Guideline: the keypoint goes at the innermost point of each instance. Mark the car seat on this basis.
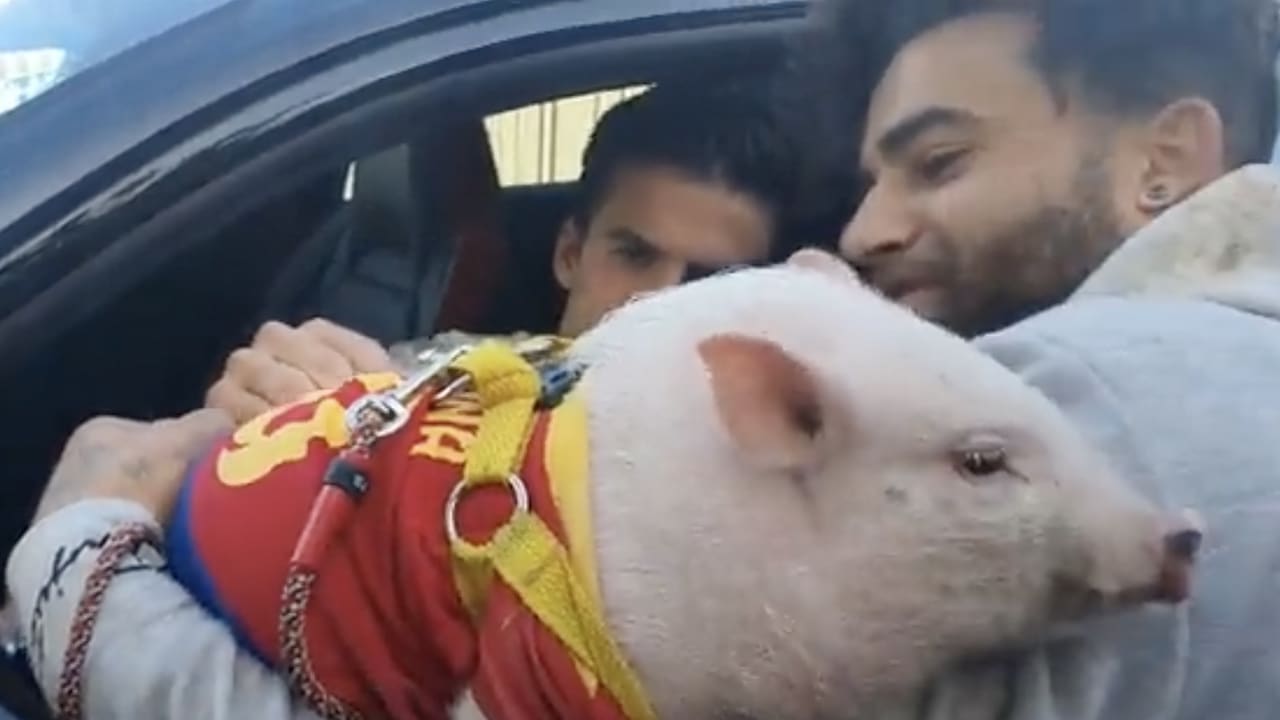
(418, 248)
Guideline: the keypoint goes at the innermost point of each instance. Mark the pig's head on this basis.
(820, 499)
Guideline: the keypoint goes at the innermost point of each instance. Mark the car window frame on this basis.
(151, 210)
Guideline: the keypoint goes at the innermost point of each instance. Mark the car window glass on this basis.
(43, 42)
(543, 143)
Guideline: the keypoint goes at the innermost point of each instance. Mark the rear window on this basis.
(543, 143)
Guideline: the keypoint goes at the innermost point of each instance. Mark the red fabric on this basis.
(481, 256)
(386, 630)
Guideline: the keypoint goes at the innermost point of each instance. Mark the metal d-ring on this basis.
(519, 492)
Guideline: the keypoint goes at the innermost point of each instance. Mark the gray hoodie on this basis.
(1168, 357)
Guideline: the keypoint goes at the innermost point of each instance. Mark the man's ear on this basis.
(568, 252)
(1186, 151)
(769, 402)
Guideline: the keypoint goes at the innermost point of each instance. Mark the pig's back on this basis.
(1185, 397)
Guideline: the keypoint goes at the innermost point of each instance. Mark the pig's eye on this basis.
(981, 462)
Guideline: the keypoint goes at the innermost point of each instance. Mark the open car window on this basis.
(542, 144)
(538, 144)
(43, 42)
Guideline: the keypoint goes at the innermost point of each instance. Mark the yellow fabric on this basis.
(525, 552)
(508, 388)
(567, 467)
(567, 461)
(472, 576)
(255, 453)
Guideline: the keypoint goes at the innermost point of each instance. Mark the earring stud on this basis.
(1157, 196)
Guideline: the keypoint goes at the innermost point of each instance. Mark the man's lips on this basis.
(897, 277)
(899, 287)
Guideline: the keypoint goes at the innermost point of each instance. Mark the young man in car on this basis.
(679, 181)
(1065, 181)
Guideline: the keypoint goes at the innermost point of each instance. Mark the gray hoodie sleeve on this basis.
(1184, 397)
(1119, 668)
(154, 652)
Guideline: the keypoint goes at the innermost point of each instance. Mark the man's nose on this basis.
(882, 226)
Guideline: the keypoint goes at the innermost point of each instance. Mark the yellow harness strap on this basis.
(525, 552)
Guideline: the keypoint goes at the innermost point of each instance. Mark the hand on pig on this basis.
(285, 363)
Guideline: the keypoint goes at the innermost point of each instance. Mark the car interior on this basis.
(414, 237)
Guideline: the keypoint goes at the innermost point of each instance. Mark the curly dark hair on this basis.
(1124, 56)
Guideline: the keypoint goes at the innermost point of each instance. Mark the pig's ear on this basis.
(824, 262)
(768, 401)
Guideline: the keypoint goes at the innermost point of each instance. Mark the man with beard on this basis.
(1069, 182)
(992, 145)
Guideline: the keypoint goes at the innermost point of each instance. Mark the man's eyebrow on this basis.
(627, 235)
(894, 141)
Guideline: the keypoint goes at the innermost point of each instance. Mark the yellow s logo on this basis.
(254, 452)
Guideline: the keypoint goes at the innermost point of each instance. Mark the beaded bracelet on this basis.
(121, 542)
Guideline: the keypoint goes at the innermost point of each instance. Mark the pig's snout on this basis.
(1181, 544)
(1160, 572)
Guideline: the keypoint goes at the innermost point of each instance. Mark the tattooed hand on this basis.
(129, 460)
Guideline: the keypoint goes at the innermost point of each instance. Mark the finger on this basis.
(189, 435)
(105, 431)
(306, 351)
(364, 354)
(258, 373)
(237, 402)
(96, 449)
(155, 474)
(150, 469)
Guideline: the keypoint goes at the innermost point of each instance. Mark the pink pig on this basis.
(808, 500)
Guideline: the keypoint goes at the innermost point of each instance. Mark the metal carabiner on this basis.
(379, 415)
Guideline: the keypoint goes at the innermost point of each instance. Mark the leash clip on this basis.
(379, 415)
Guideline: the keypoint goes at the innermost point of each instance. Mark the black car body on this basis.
(169, 194)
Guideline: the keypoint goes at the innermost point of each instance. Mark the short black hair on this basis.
(717, 130)
(1122, 56)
